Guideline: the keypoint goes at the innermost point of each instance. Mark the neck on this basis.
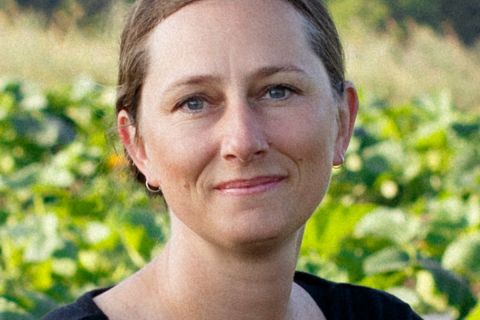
(253, 283)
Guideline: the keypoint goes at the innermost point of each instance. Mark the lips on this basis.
(248, 186)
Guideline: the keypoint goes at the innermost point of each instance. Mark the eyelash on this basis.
(182, 104)
(200, 97)
(291, 90)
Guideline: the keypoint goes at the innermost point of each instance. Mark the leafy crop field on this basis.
(403, 214)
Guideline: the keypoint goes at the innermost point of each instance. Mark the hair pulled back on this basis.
(145, 15)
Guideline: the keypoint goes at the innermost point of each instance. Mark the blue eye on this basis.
(194, 104)
(278, 92)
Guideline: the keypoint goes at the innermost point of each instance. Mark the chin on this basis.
(262, 233)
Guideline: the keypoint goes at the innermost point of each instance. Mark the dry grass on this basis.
(52, 57)
(378, 63)
(425, 63)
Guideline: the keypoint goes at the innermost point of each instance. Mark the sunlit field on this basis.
(381, 64)
(52, 57)
(401, 215)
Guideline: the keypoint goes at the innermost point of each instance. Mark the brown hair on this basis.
(145, 15)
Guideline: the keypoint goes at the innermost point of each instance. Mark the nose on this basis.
(243, 139)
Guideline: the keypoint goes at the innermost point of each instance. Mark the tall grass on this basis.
(52, 56)
(381, 64)
(401, 69)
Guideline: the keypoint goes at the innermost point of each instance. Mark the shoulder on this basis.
(84, 308)
(347, 301)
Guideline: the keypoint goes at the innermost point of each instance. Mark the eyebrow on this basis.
(260, 73)
(271, 70)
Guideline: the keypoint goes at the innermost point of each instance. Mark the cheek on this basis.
(308, 137)
(316, 165)
(309, 142)
(177, 160)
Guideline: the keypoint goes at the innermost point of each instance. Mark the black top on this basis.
(342, 301)
(338, 301)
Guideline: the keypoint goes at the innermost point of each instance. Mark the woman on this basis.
(236, 110)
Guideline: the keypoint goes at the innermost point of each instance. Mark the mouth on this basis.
(250, 186)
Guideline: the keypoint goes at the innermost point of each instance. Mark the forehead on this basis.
(231, 13)
(212, 33)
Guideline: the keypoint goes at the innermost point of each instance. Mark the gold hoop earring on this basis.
(152, 189)
(339, 166)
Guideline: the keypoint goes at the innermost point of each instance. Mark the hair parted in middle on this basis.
(145, 15)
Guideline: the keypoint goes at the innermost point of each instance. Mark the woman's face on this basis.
(238, 123)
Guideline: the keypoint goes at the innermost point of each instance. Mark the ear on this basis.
(346, 120)
(132, 141)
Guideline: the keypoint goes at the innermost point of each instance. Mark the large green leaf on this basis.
(328, 227)
(386, 260)
(408, 295)
(37, 235)
(389, 224)
(463, 256)
(436, 281)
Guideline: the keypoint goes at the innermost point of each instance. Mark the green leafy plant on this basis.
(402, 215)
(406, 207)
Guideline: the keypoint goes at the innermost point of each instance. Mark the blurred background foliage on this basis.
(402, 215)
